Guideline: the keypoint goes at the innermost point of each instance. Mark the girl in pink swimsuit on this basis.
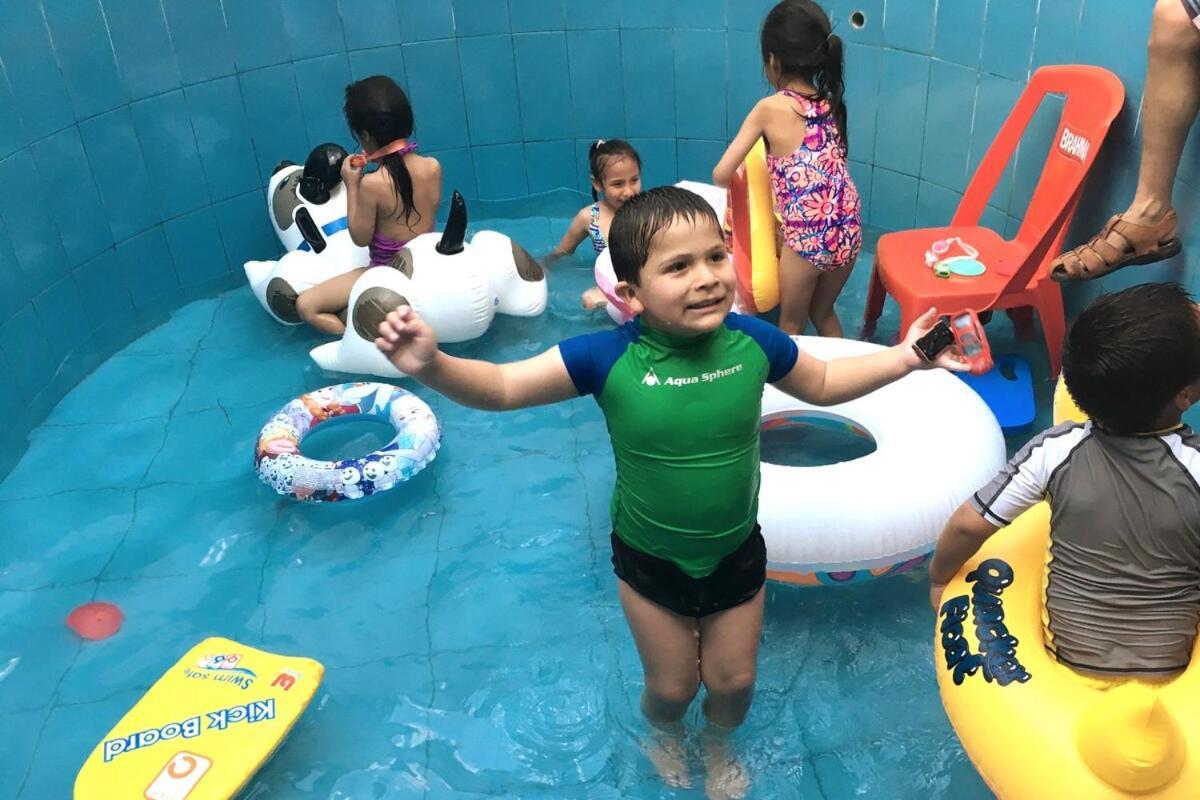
(385, 208)
(804, 128)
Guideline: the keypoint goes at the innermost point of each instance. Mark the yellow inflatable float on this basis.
(1033, 727)
(204, 728)
(754, 224)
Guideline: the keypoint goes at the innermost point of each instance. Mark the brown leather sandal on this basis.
(1136, 244)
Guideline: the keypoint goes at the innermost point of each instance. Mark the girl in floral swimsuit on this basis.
(804, 127)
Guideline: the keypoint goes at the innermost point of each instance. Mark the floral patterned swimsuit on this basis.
(814, 194)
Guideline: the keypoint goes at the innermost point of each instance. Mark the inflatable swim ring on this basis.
(204, 728)
(754, 225)
(879, 514)
(307, 208)
(606, 277)
(280, 464)
(1033, 727)
(457, 287)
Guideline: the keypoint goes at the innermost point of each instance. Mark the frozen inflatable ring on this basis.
(280, 464)
(936, 442)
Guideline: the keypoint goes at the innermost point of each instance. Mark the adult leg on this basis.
(822, 311)
(321, 305)
(728, 667)
(670, 652)
(1147, 231)
(1169, 107)
(797, 282)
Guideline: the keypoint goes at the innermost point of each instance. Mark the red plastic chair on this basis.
(1017, 273)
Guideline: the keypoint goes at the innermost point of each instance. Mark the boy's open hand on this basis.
(407, 340)
(947, 359)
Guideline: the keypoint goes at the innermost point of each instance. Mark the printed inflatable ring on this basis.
(280, 464)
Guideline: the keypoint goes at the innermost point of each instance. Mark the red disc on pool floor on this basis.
(95, 620)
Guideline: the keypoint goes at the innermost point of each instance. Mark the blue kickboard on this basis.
(1007, 388)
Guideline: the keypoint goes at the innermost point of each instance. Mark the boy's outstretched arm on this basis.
(826, 383)
(410, 344)
(962, 537)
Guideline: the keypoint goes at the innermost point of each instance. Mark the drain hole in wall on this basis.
(858, 20)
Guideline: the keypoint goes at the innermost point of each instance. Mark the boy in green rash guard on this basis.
(680, 386)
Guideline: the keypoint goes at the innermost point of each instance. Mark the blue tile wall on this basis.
(105, 297)
(959, 33)
(490, 89)
(164, 129)
(120, 173)
(898, 142)
(379, 61)
(196, 248)
(86, 59)
(276, 121)
(480, 17)
(314, 27)
(140, 133)
(500, 171)
(909, 25)
(1008, 38)
(322, 84)
(34, 236)
(74, 202)
(203, 48)
(600, 111)
(138, 31)
(63, 319)
(422, 20)
(37, 85)
(256, 30)
(544, 85)
(699, 78)
(12, 132)
(435, 88)
(649, 102)
(223, 137)
(526, 16)
(951, 109)
(550, 165)
(370, 23)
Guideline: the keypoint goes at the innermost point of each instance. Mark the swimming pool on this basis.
(468, 620)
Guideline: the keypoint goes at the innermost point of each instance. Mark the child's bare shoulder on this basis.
(424, 166)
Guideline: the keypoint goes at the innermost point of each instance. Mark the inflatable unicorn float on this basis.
(457, 286)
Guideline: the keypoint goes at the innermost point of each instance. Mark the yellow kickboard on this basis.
(204, 728)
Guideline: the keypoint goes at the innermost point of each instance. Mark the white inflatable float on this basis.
(606, 277)
(458, 288)
(936, 443)
(307, 208)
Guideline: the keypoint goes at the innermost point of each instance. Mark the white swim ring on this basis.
(936, 443)
(280, 464)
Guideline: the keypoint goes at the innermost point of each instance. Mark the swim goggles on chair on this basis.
(965, 263)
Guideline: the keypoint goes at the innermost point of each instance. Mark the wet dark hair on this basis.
(602, 152)
(379, 107)
(1129, 353)
(798, 33)
(636, 223)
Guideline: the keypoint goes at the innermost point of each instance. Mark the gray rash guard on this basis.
(1123, 588)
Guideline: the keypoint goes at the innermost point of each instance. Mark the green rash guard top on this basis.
(683, 414)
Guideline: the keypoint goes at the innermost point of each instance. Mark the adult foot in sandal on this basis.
(1121, 243)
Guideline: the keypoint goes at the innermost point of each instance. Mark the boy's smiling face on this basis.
(687, 284)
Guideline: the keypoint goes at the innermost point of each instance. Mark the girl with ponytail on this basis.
(385, 208)
(804, 128)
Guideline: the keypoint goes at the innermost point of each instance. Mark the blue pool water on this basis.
(468, 620)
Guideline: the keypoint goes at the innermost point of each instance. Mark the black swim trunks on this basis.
(737, 578)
